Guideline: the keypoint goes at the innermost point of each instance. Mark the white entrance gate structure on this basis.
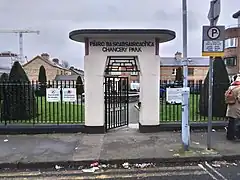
(103, 43)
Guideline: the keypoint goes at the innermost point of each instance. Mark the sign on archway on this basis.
(131, 46)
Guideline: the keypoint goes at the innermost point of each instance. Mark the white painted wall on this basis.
(149, 89)
(94, 66)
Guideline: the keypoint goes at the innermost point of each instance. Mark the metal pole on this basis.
(185, 94)
(210, 89)
(21, 47)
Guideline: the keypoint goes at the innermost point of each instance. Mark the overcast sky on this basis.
(56, 18)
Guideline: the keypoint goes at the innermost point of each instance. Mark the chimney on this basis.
(178, 55)
(56, 60)
(45, 56)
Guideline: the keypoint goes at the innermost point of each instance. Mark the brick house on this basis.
(78, 72)
(197, 71)
(132, 76)
(53, 67)
(71, 79)
(197, 68)
(232, 47)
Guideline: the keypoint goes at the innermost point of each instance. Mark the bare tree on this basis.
(65, 64)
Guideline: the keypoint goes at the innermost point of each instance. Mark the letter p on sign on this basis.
(213, 33)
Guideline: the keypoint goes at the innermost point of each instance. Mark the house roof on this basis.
(77, 71)
(194, 61)
(66, 77)
(51, 63)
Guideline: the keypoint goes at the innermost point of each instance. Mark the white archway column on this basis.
(149, 93)
(94, 94)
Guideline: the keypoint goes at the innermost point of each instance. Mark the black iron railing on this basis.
(198, 104)
(26, 103)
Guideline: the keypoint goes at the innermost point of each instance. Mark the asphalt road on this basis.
(203, 171)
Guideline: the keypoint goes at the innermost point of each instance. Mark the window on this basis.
(174, 71)
(134, 73)
(190, 71)
(135, 81)
(230, 61)
(232, 42)
(116, 73)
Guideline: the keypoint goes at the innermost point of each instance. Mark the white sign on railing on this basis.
(174, 95)
(69, 94)
(53, 95)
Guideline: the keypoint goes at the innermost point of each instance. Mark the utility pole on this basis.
(21, 46)
(213, 16)
(185, 92)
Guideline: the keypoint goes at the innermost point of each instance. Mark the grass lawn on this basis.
(173, 113)
(54, 113)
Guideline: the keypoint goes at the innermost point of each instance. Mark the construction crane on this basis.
(20, 33)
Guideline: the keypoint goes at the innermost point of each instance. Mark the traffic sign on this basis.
(213, 42)
(214, 11)
(213, 33)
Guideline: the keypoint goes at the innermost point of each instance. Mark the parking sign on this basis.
(213, 42)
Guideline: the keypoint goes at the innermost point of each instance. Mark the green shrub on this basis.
(42, 80)
(3, 81)
(220, 85)
(79, 86)
(19, 102)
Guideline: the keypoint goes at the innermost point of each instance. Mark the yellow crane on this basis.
(20, 34)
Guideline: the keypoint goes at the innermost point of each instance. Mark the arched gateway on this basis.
(120, 50)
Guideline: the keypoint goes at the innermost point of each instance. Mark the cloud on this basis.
(56, 18)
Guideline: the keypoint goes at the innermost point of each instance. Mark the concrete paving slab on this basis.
(89, 147)
(133, 145)
(37, 148)
(122, 144)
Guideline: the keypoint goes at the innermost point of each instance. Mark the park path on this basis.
(133, 114)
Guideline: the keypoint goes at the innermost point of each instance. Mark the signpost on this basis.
(212, 46)
(185, 92)
(174, 95)
(214, 12)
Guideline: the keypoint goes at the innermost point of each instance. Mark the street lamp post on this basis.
(185, 92)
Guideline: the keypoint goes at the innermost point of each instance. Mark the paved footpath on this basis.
(125, 144)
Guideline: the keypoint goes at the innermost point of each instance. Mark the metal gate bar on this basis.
(116, 102)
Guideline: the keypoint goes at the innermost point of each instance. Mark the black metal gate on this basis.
(116, 102)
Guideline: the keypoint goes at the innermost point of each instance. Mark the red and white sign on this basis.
(69, 94)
